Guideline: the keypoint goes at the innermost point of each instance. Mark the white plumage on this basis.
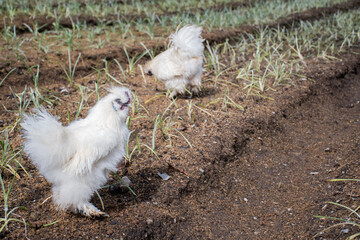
(76, 159)
(180, 67)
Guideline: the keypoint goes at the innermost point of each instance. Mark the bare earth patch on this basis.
(260, 173)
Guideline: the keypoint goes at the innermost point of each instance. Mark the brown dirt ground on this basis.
(93, 58)
(47, 21)
(258, 174)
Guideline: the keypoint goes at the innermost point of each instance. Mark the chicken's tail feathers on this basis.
(40, 122)
(188, 39)
(43, 134)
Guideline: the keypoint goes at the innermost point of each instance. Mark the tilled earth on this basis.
(280, 181)
(264, 176)
(261, 173)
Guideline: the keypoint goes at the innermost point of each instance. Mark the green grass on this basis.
(252, 64)
(7, 75)
(276, 56)
(10, 156)
(10, 215)
(258, 12)
(352, 219)
(168, 127)
(69, 70)
(98, 9)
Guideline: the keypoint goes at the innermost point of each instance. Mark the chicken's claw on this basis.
(91, 211)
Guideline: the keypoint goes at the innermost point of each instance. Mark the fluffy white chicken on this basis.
(180, 67)
(76, 159)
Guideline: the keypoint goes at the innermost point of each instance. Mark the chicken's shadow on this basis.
(144, 184)
(205, 92)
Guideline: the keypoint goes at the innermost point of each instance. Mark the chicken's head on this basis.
(121, 99)
(147, 69)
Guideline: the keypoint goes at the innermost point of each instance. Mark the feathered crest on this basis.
(188, 39)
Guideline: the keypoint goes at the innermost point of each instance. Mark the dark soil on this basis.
(279, 180)
(292, 19)
(258, 174)
(262, 175)
(47, 21)
(91, 58)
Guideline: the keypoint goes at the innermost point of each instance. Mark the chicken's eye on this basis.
(117, 100)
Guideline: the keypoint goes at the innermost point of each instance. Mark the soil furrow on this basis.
(257, 175)
(291, 20)
(275, 180)
(260, 173)
(48, 22)
(221, 35)
(93, 58)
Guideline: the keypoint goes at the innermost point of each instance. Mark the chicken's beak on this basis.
(122, 105)
(127, 103)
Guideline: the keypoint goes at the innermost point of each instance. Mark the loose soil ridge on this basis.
(47, 22)
(260, 173)
(271, 180)
(312, 14)
(91, 59)
(255, 175)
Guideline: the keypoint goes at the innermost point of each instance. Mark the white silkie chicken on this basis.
(180, 67)
(76, 159)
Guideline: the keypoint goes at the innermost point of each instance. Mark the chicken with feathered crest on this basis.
(180, 66)
(77, 159)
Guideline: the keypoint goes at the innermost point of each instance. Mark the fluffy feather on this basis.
(76, 159)
(180, 67)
